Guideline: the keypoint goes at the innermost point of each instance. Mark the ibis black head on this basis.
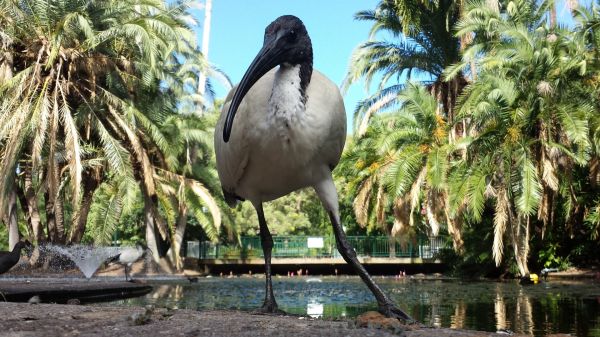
(23, 244)
(286, 41)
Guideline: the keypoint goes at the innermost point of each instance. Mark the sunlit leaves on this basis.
(530, 189)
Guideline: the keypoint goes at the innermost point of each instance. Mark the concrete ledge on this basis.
(21, 290)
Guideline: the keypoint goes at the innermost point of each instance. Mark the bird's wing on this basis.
(114, 258)
(233, 156)
(324, 98)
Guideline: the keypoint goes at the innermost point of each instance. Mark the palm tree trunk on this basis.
(11, 219)
(51, 194)
(50, 217)
(525, 246)
(149, 224)
(91, 182)
(454, 225)
(6, 66)
(23, 202)
(33, 212)
(594, 167)
(154, 241)
(553, 16)
(520, 243)
(174, 251)
(59, 217)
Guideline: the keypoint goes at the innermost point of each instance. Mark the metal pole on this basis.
(205, 41)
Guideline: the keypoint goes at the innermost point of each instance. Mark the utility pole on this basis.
(205, 40)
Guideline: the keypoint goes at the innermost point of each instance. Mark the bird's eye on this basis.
(291, 35)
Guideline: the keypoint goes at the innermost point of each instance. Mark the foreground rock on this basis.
(22, 319)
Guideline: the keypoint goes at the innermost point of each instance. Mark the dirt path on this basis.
(48, 320)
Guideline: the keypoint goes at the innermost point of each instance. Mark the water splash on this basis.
(87, 258)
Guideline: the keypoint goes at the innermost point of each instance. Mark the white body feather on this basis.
(129, 255)
(278, 143)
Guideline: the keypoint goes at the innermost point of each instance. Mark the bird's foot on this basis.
(269, 308)
(390, 310)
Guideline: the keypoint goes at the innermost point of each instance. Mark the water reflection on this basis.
(457, 321)
(524, 314)
(541, 309)
(500, 310)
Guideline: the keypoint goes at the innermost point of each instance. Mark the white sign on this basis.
(315, 242)
(314, 310)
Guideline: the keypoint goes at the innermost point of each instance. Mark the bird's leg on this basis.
(269, 306)
(328, 195)
(126, 275)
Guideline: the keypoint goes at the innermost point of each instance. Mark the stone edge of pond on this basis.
(23, 319)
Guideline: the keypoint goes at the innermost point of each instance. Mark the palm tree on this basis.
(85, 103)
(408, 171)
(426, 46)
(364, 171)
(588, 31)
(190, 183)
(530, 124)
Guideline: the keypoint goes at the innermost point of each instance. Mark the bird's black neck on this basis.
(306, 67)
(17, 249)
(306, 70)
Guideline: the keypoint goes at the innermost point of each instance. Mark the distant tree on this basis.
(528, 120)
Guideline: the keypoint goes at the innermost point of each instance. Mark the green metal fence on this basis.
(317, 247)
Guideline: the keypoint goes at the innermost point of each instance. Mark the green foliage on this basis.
(114, 201)
(592, 222)
(549, 257)
(510, 158)
(299, 213)
(95, 103)
(477, 260)
(3, 239)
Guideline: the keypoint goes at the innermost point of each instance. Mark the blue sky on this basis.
(238, 28)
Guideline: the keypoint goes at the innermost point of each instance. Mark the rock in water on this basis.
(34, 300)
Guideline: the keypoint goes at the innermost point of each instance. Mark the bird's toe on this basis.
(390, 310)
(269, 308)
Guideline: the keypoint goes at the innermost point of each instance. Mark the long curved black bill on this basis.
(266, 59)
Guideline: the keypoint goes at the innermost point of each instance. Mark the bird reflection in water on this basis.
(170, 293)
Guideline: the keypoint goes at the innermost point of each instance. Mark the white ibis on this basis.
(282, 130)
(128, 256)
(10, 259)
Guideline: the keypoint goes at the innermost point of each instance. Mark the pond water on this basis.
(548, 307)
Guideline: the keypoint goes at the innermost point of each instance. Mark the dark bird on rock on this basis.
(10, 259)
(282, 130)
